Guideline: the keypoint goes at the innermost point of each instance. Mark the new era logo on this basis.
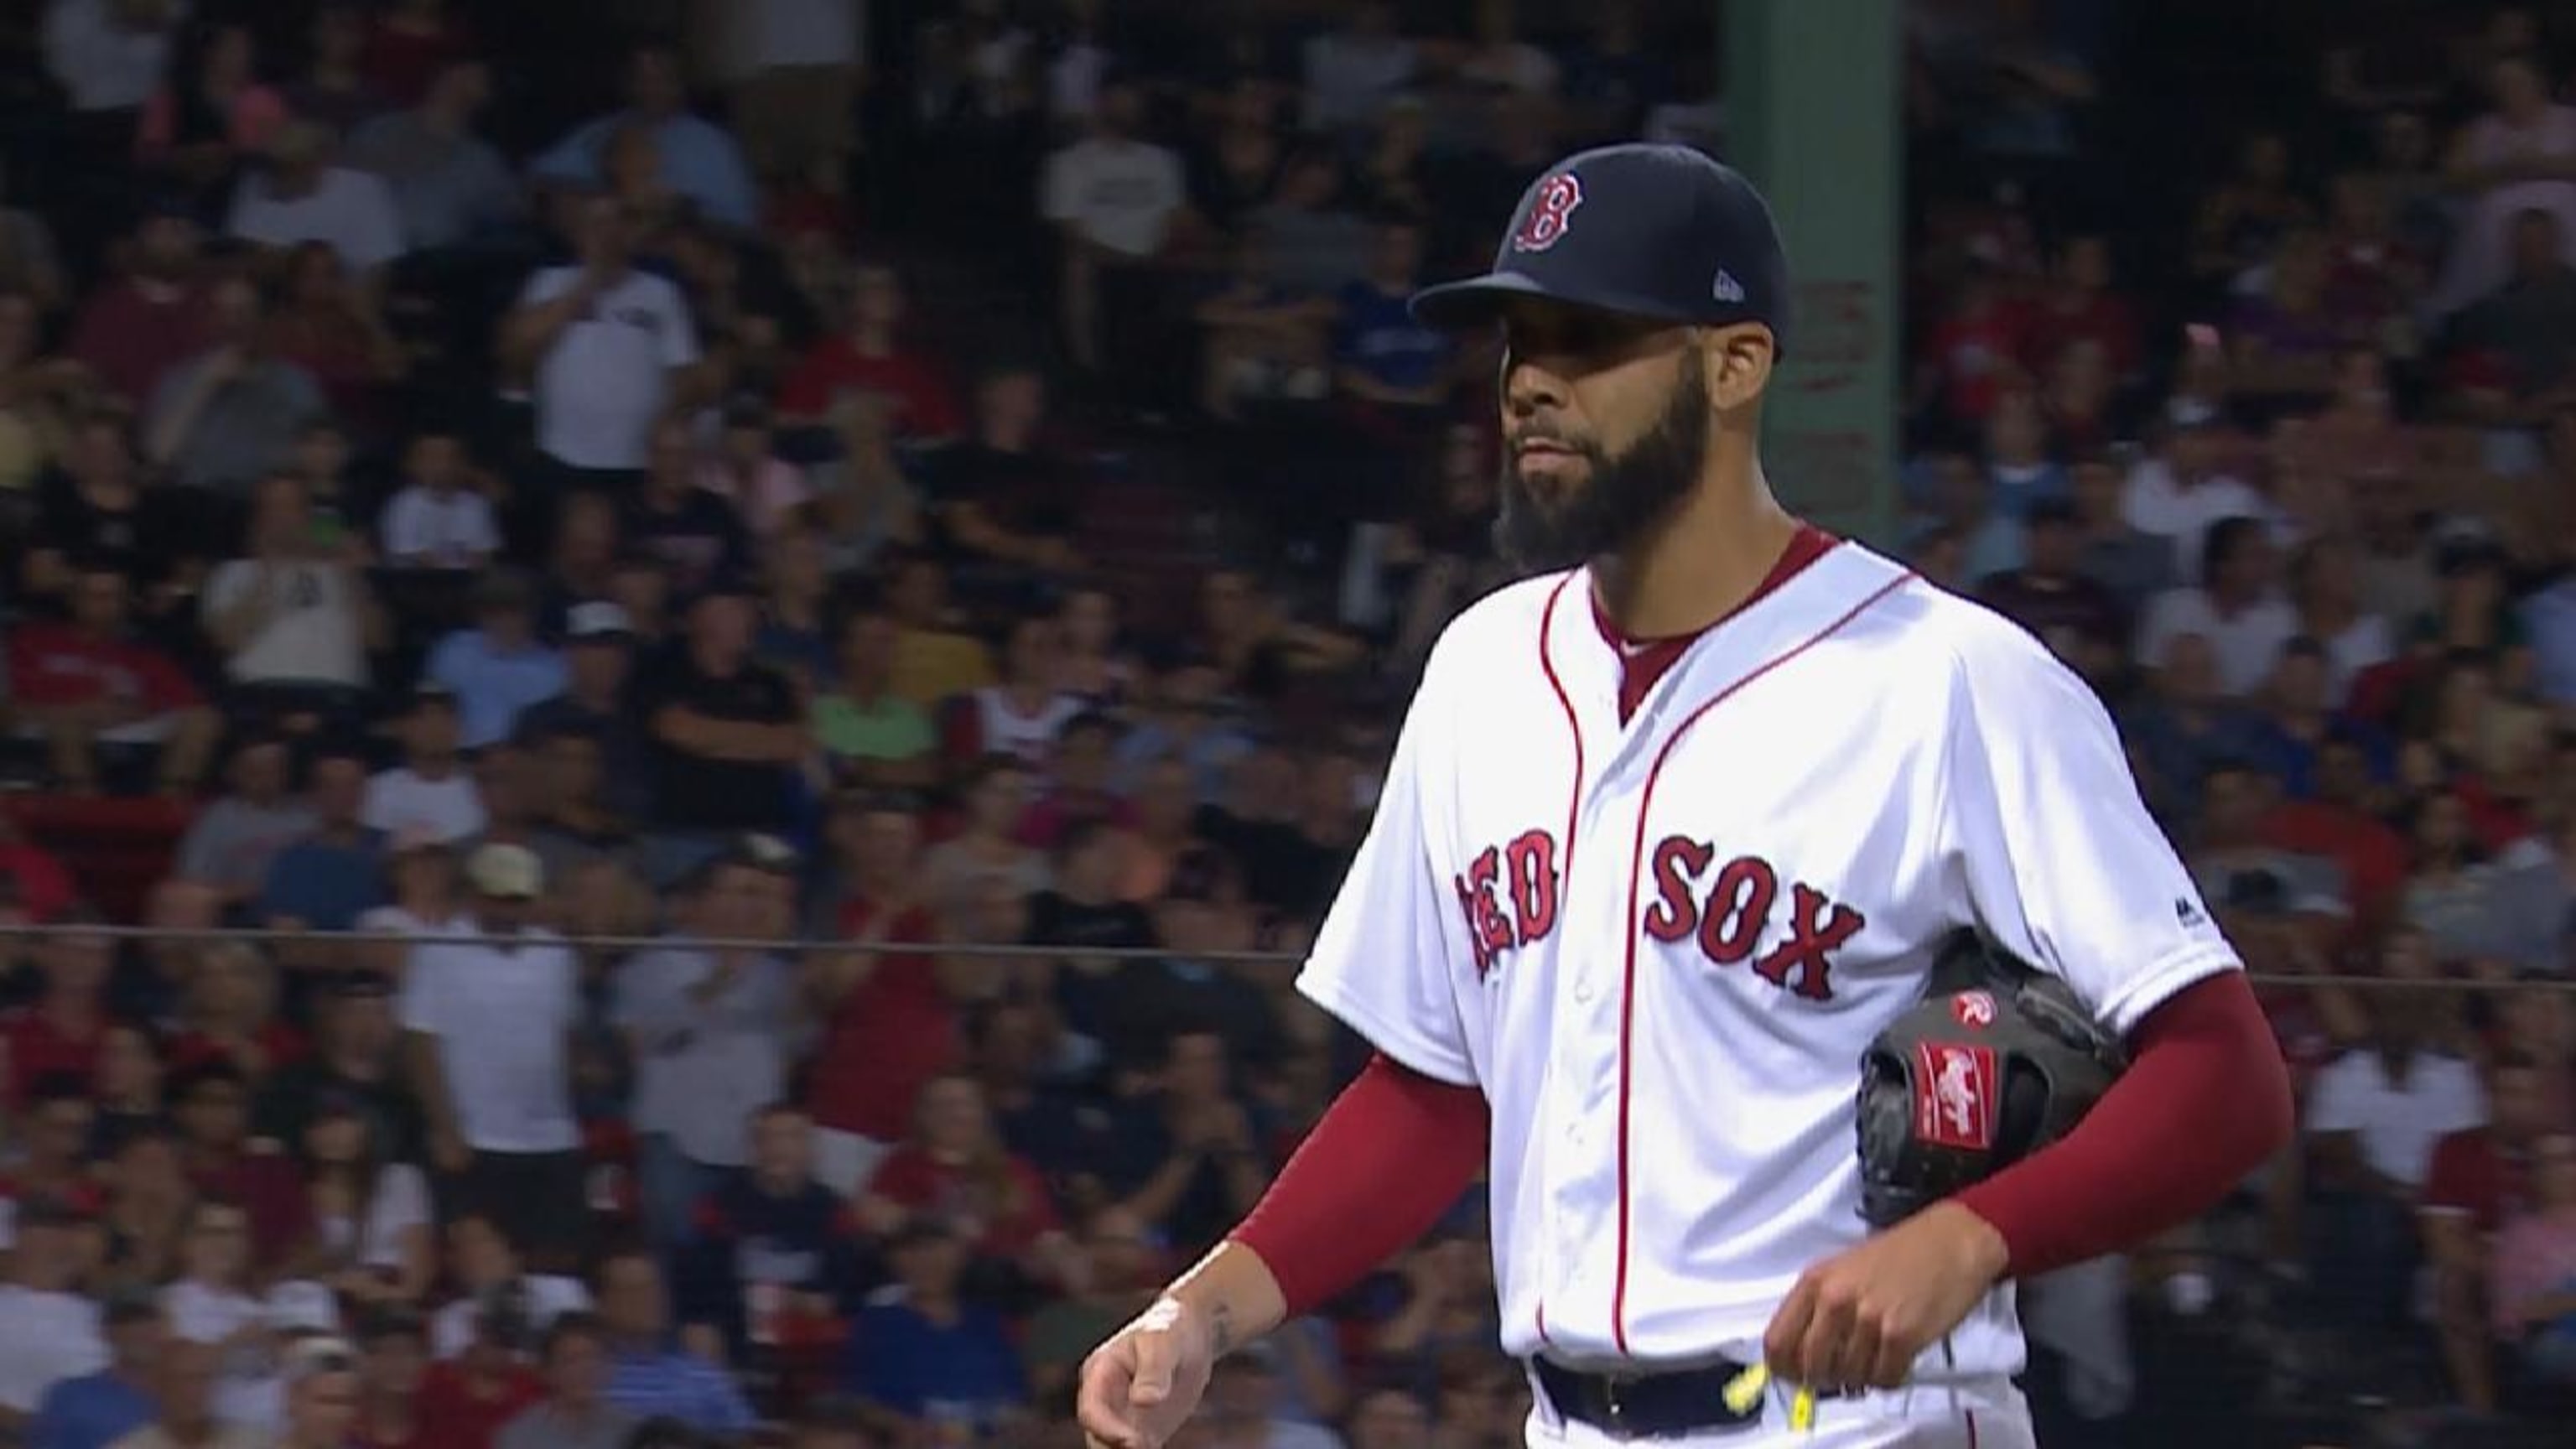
(2185, 912)
(1728, 289)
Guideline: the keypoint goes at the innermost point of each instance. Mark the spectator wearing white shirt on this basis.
(293, 621)
(301, 196)
(2180, 490)
(611, 350)
(430, 795)
(2238, 610)
(438, 519)
(485, 1267)
(2373, 1119)
(489, 1027)
(1114, 198)
(49, 1331)
(215, 1302)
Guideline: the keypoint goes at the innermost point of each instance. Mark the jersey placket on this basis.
(1592, 1085)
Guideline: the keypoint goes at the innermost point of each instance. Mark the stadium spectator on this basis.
(468, 1395)
(303, 196)
(489, 1020)
(447, 183)
(187, 1382)
(772, 1245)
(64, 1028)
(609, 349)
(499, 668)
(430, 794)
(210, 113)
(221, 419)
(653, 1371)
(2535, 1260)
(95, 1410)
(294, 617)
(371, 1214)
(706, 1027)
(218, 1301)
(697, 536)
(327, 877)
(869, 735)
(699, 160)
(1381, 356)
(574, 1414)
(497, 1300)
(2475, 1176)
(1118, 202)
(89, 687)
(56, 1120)
(888, 1015)
(871, 354)
(234, 841)
(351, 1069)
(937, 1362)
(49, 1330)
(393, 1363)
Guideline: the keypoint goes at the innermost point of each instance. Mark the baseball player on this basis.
(1675, 830)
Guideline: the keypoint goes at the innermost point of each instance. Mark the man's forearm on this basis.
(1234, 1293)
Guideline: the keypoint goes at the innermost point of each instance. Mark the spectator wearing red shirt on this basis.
(65, 1028)
(1978, 351)
(151, 319)
(465, 1401)
(889, 1020)
(956, 1174)
(87, 683)
(211, 1104)
(232, 1015)
(2080, 305)
(31, 881)
(869, 355)
(2478, 1179)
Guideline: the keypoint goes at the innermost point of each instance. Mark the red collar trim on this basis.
(1807, 545)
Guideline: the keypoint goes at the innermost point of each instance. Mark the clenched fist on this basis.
(1142, 1385)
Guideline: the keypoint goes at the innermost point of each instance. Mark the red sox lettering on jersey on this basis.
(1724, 920)
(1658, 944)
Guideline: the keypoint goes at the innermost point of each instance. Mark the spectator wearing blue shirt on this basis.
(1380, 354)
(95, 1410)
(922, 1352)
(700, 160)
(650, 1375)
(499, 668)
(326, 880)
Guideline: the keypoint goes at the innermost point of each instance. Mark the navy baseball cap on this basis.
(1651, 231)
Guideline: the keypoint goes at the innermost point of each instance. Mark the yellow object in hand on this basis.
(1745, 1389)
(1802, 1411)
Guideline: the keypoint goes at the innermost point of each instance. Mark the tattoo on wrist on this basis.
(1221, 1328)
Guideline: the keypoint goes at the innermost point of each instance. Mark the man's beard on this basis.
(1617, 500)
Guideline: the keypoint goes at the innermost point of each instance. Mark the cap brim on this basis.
(1472, 302)
(1475, 301)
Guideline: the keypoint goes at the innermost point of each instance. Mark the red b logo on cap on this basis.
(1549, 211)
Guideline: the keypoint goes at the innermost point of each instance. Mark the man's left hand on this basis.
(1860, 1319)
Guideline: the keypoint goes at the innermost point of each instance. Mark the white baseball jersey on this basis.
(1659, 947)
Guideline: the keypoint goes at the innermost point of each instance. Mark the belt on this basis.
(1646, 1405)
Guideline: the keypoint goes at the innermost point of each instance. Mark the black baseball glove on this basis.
(1997, 1062)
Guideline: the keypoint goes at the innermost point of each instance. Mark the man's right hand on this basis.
(1143, 1384)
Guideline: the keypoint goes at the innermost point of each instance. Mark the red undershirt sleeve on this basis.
(1393, 1152)
(2206, 1100)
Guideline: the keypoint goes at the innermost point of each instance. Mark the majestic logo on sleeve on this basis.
(1549, 214)
(1728, 916)
(1508, 896)
(1954, 1095)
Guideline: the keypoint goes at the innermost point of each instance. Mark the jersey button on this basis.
(1583, 990)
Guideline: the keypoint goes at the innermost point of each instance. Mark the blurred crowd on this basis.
(768, 599)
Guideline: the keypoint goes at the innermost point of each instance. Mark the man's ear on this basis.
(1736, 363)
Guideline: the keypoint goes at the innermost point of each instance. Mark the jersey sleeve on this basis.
(1382, 961)
(2061, 864)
